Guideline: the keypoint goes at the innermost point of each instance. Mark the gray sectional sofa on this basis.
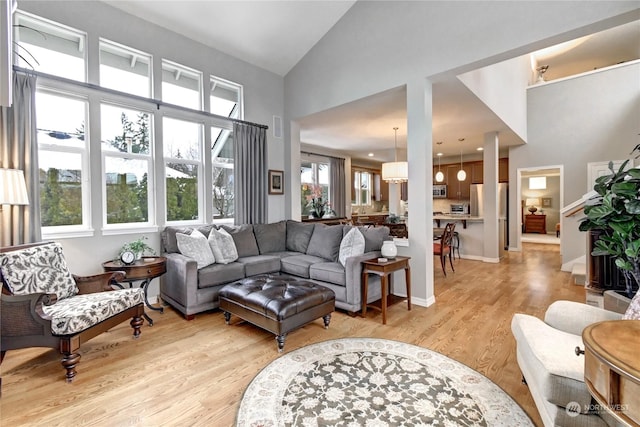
(304, 250)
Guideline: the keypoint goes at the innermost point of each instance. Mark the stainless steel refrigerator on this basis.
(476, 205)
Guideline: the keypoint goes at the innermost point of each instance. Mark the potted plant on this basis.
(138, 247)
(615, 212)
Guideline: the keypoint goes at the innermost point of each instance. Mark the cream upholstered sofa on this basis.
(552, 370)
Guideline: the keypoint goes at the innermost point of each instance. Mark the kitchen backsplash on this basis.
(444, 205)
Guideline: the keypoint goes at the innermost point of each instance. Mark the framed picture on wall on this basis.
(546, 202)
(276, 182)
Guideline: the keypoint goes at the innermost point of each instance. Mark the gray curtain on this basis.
(337, 188)
(250, 173)
(19, 150)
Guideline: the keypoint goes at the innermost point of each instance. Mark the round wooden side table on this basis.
(612, 367)
(145, 270)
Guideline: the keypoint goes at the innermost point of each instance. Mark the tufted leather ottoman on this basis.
(278, 304)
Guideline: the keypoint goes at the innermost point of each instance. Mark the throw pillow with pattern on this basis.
(223, 246)
(633, 311)
(39, 269)
(352, 245)
(196, 246)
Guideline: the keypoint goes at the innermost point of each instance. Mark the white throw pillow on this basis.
(633, 311)
(195, 246)
(222, 246)
(352, 244)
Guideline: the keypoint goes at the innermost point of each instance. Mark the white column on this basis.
(292, 175)
(420, 223)
(490, 194)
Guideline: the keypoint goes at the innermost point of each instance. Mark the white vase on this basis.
(389, 249)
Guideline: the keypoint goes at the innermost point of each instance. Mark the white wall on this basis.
(590, 118)
(380, 45)
(263, 98)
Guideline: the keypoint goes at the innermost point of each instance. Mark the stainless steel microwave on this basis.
(439, 191)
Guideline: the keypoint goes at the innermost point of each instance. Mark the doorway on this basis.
(540, 199)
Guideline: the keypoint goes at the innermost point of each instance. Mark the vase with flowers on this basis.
(315, 203)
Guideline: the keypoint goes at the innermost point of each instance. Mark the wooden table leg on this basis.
(384, 281)
(365, 289)
(407, 278)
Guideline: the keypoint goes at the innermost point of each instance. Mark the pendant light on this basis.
(439, 174)
(395, 172)
(462, 175)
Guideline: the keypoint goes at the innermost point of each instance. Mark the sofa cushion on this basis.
(325, 241)
(352, 245)
(169, 240)
(271, 237)
(298, 265)
(550, 353)
(332, 272)
(244, 238)
(196, 246)
(298, 236)
(73, 315)
(39, 269)
(218, 274)
(260, 264)
(223, 246)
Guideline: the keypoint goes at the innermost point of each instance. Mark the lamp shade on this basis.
(439, 176)
(395, 172)
(532, 201)
(13, 190)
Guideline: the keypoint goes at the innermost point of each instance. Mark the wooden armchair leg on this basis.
(69, 362)
(136, 323)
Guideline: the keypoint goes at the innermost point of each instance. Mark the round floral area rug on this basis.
(373, 382)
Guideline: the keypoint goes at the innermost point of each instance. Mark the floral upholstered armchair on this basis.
(44, 305)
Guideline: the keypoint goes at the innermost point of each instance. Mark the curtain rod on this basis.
(157, 102)
(321, 155)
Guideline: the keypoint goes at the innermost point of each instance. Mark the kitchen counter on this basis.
(453, 218)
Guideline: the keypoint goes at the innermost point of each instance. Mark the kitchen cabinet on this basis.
(477, 172)
(380, 188)
(458, 189)
(503, 169)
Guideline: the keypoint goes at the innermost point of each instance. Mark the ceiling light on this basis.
(439, 174)
(479, 149)
(395, 172)
(370, 154)
(461, 175)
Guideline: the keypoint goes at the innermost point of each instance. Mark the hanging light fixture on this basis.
(395, 172)
(439, 174)
(462, 175)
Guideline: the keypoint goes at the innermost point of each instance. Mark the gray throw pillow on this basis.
(271, 237)
(325, 241)
(373, 237)
(169, 241)
(298, 236)
(245, 240)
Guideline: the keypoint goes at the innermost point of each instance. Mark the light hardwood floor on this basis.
(182, 373)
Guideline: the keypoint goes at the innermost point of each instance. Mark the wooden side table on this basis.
(612, 367)
(384, 269)
(145, 269)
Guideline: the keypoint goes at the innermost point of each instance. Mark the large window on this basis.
(122, 148)
(49, 47)
(181, 85)
(62, 157)
(314, 177)
(126, 149)
(125, 69)
(183, 163)
(222, 173)
(362, 185)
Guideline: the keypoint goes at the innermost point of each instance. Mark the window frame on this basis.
(86, 228)
(151, 181)
(174, 67)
